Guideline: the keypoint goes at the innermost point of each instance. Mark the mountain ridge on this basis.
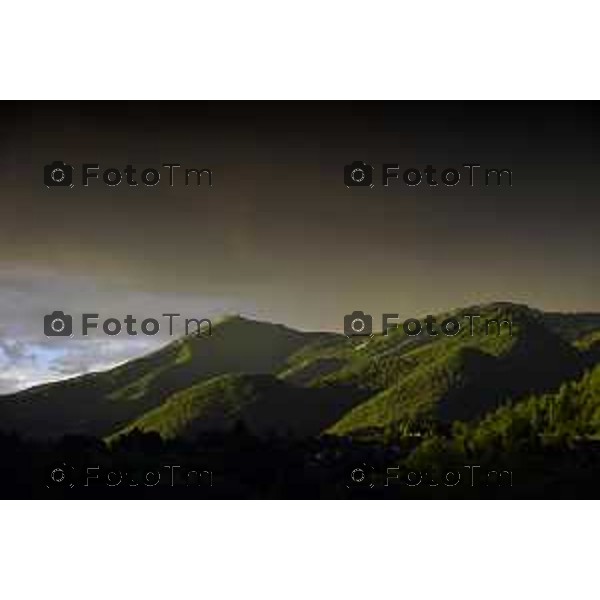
(325, 382)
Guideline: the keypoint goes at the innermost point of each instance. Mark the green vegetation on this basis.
(277, 381)
(281, 413)
(264, 404)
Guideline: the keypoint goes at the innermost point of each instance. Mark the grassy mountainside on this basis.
(571, 412)
(264, 404)
(460, 377)
(275, 379)
(99, 403)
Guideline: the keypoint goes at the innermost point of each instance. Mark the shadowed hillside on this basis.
(100, 403)
(276, 380)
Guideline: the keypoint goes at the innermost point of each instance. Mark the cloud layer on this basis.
(28, 357)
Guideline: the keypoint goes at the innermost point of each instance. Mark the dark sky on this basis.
(279, 236)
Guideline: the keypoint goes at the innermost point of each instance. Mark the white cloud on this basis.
(28, 357)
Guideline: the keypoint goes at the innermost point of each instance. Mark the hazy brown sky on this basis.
(279, 236)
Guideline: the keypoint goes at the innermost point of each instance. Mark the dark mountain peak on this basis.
(502, 308)
(242, 324)
(234, 318)
(238, 320)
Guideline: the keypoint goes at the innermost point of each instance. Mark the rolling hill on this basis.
(278, 380)
(100, 403)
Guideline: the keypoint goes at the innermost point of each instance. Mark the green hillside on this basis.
(460, 377)
(263, 403)
(568, 414)
(278, 380)
(100, 403)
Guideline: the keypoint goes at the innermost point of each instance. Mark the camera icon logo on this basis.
(358, 324)
(359, 174)
(362, 477)
(58, 174)
(62, 475)
(57, 324)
